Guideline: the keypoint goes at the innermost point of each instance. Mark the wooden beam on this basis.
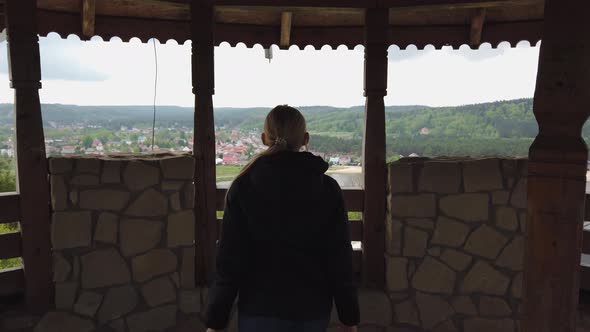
(357, 262)
(374, 168)
(286, 21)
(203, 81)
(12, 281)
(167, 10)
(586, 242)
(300, 3)
(354, 199)
(557, 170)
(88, 17)
(585, 278)
(154, 9)
(356, 230)
(9, 208)
(10, 245)
(477, 22)
(33, 186)
(423, 5)
(402, 36)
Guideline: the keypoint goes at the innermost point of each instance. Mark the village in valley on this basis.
(233, 147)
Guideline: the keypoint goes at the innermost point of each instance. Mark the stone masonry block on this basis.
(440, 177)
(418, 206)
(400, 177)
(466, 207)
(71, 230)
(482, 175)
(179, 168)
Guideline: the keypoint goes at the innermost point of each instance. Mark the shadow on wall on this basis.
(455, 243)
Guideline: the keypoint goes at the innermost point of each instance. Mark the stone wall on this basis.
(123, 244)
(123, 238)
(455, 241)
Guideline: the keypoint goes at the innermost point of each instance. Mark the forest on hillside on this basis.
(496, 128)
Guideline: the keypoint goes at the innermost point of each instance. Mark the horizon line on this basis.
(298, 106)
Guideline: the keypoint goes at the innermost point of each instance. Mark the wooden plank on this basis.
(356, 230)
(585, 278)
(402, 36)
(202, 28)
(25, 76)
(88, 17)
(220, 198)
(586, 242)
(357, 261)
(353, 199)
(12, 281)
(300, 3)
(10, 245)
(286, 20)
(587, 208)
(427, 5)
(150, 9)
(557, 166)
(306, 16)
(9, 207)
(477, 22)
(374, 167)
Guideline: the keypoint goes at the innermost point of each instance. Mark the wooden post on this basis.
(202, 23)
(88, 17)
(286, 21)
(33, 186)
(477, 22)
(557, 170)
(376, 23)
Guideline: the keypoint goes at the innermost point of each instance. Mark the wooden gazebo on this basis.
(557, 158)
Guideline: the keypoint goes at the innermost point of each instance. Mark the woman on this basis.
(285, 247)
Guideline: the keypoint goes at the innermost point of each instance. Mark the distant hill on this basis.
(502, 119)
(501, 127)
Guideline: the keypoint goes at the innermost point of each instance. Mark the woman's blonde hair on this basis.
(284, 130)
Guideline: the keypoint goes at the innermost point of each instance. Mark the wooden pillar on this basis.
(33, 186)
(375, 177)
(202, 24)
(557, 169)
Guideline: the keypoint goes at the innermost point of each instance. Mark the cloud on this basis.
(483, 53)
(396, 54)
(113, 72)
(61, 59)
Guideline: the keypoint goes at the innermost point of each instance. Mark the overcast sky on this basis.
(117, 73)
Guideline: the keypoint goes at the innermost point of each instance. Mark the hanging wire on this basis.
(155, 93)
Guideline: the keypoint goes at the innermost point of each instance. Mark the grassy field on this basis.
(12, 262)
(226, 172)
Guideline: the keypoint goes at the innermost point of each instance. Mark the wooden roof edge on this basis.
(421, 37)
(391, 4)
(160, 9)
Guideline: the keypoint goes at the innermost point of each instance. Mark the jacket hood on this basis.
(285, 173)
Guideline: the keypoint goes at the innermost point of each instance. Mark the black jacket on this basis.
(285, 246)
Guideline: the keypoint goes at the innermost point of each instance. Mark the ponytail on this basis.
(284, 129)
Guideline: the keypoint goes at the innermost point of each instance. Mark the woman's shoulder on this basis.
(237, 186)
(331, 184)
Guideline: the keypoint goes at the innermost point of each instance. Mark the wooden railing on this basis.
(354, 201)
(585, 259)
(12, 280)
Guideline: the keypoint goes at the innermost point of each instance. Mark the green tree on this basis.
(87, 141)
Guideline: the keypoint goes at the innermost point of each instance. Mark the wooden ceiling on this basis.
(316, 23)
